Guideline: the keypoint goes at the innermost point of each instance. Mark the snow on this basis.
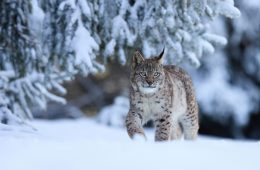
(65, 37)
(150, 26)
(110, 48)
(216, 39)
(84, 45)
(227, 9)
(215, 94)
(85, 144)
(36, 17)
(193, 59)
(120, 107)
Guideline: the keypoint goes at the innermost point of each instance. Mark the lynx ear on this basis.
(160, 57)
(137, 59)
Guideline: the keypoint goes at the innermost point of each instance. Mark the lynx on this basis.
(164, 94)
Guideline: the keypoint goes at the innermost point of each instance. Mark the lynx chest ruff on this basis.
(173, 100)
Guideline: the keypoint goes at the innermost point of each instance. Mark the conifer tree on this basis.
(45, 42)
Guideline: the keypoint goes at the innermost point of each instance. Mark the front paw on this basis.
(139, 137)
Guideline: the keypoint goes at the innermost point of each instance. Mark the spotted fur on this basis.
(164, 94)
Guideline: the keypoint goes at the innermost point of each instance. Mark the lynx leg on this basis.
(163, 128)
(134, 124)
(190, 125)
(176, 132)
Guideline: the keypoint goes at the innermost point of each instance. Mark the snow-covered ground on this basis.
(86, 145)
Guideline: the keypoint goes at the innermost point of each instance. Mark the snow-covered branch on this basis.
(44, 43)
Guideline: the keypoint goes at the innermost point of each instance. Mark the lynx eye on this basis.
(156, 74)
(143, 74)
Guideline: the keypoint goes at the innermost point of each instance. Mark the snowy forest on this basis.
(69, 60)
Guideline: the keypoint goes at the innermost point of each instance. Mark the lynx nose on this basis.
(150, 82)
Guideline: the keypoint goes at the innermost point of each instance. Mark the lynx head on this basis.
(147, 74)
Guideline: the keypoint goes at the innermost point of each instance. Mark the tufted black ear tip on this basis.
(160, 57)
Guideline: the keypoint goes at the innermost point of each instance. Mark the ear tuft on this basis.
(160, 57)
(137, 59)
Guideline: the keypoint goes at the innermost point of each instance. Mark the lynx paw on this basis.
(139, 137)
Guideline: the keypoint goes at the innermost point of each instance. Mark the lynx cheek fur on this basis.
(163, 94)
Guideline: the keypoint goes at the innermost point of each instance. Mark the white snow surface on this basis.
(84, 144)
(120, 107)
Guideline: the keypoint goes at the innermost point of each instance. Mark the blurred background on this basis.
(43, 48)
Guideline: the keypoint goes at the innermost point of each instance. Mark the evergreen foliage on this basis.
(45, 42)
